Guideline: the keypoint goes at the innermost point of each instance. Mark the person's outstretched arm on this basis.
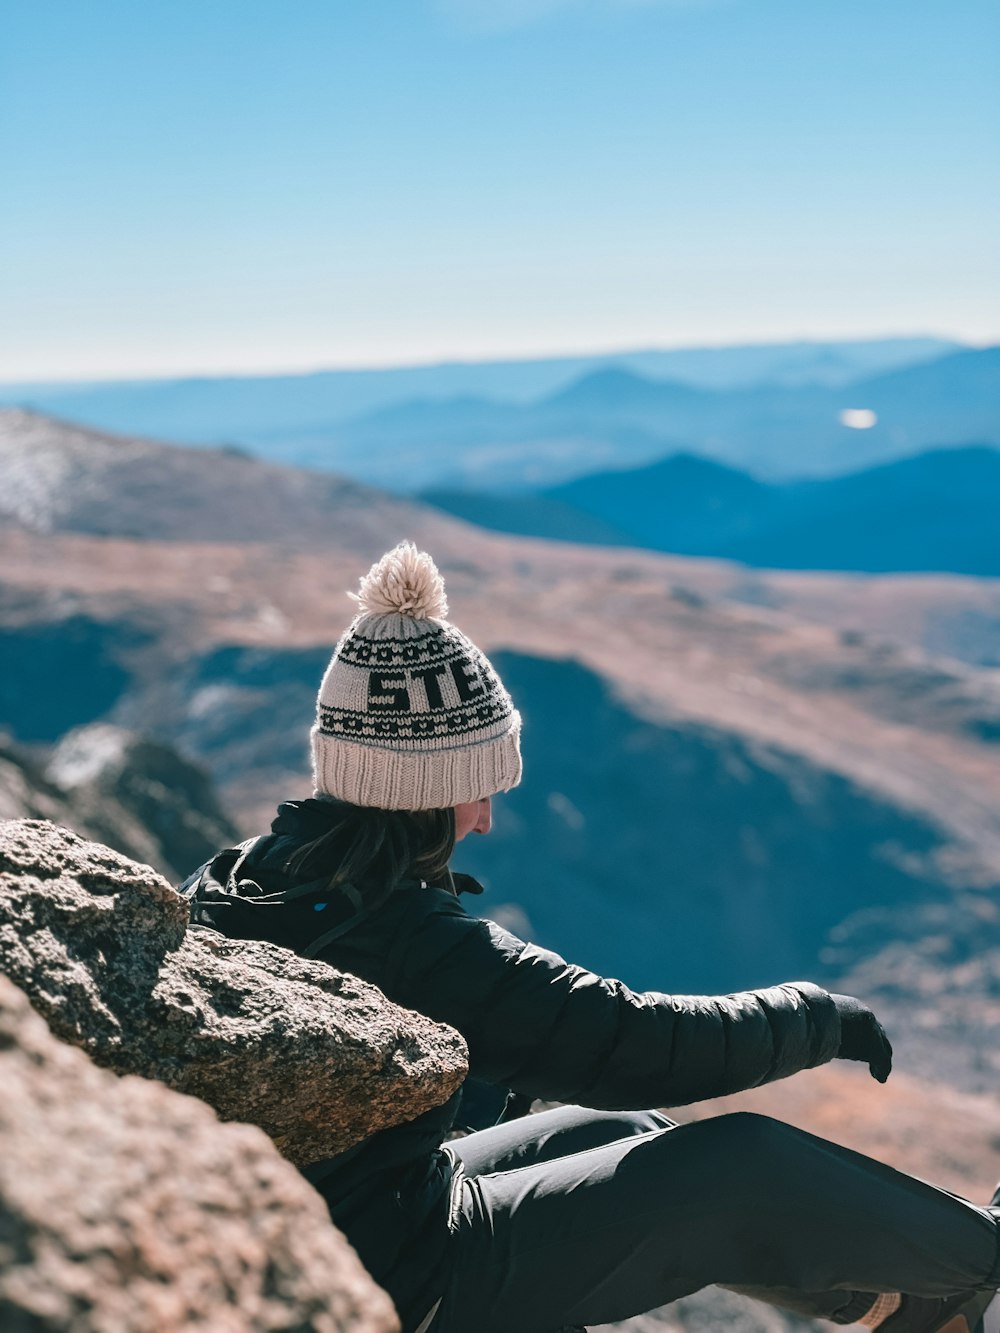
(547, 1028)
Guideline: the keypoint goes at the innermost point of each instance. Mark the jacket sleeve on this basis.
(544, 1027)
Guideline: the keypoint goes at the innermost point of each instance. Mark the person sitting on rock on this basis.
(599, 1209)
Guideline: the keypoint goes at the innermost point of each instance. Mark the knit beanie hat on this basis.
(411, 715)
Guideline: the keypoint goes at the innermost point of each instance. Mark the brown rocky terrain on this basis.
(125, 1206)
(58, 477)
(943, 615)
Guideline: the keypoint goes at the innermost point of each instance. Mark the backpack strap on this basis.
(361, 914)
(349, 892)
(328, 936)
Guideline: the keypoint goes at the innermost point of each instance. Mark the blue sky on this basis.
(210, 185)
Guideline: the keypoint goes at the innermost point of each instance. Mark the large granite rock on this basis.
(126, 1207)
(316, 1058)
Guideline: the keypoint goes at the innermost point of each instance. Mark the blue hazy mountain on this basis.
(529, 516)
(932, 512)
(616, 391)
(781, 430)
(614, 418)
(263, 409)
(935, 511)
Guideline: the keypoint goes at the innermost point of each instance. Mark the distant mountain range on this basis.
(234, 408)
(782, 412)
(935, 511)
(615, 418)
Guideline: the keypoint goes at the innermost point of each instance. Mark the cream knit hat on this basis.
(411, 715)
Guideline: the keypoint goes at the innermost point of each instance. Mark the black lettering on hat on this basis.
(435, 699)
(467, 680)
(387, 693)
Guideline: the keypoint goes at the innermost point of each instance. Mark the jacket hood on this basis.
(306, 819)
(247, 891)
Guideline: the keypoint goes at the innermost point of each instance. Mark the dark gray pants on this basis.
(586, 1217)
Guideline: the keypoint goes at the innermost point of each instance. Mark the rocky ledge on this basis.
(314, 1057)
(126, 1206)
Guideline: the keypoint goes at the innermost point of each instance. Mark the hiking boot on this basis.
(975, 1313)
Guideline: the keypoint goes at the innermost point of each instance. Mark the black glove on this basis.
(862, 1037)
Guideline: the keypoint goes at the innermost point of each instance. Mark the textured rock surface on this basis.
(316, 1058)
(127, 1208)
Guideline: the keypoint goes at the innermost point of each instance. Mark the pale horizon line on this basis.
(270, 370)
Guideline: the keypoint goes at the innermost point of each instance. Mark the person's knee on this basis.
(752, 1131)
(751, 1148)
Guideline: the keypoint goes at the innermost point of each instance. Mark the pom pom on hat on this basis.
(404, 582)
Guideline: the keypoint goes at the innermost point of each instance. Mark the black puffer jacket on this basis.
(533, 1022)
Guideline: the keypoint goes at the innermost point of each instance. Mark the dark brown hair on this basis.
(375, 850)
